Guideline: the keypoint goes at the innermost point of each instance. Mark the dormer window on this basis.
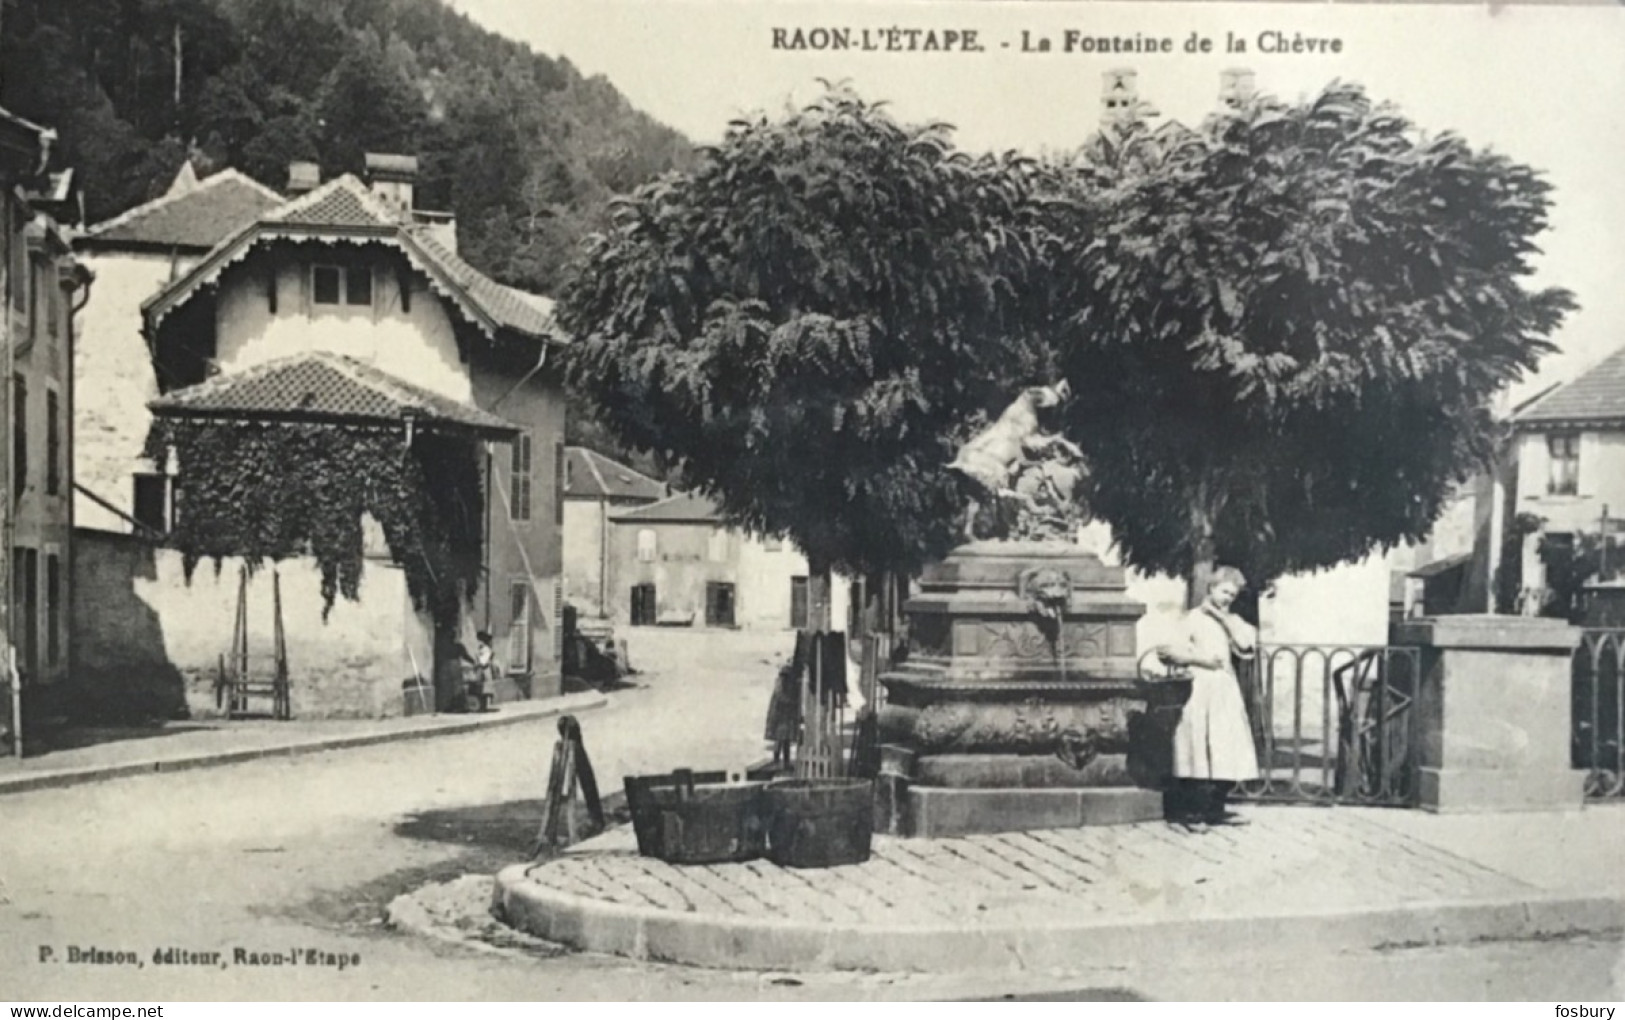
(332, 285)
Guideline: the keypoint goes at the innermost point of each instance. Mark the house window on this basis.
(326, 282)
(717, 549)
(53, 299)
(36, 296)
(19, 435)
(350, 285)
(646, 545)
(774, 544)
(1564, 451)
(519, 626)
(358, 286)
(18, 269)
(53, 609)
(559, 470)
(519, 469)
(53, 445)
(152, 502)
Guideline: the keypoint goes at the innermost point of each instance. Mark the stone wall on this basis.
(148, 643)
(583, 549)
(113, 379)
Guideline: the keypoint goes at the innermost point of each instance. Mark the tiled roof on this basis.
(323, 386)
(344, 206)
(1598, 394)
(197, 217)
(591, 475)
(530, 314)
(342, 202)
(681, 508)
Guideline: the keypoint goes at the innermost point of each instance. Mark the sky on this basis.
(1540, 84)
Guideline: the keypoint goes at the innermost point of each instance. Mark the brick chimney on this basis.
(393, 180)
(303, 177)
(1119, 94)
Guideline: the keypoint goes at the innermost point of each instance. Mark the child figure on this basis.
(784, 713)
(484, 656)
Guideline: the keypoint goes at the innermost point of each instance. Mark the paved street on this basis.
(271, 855)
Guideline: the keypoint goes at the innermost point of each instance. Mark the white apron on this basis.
(1213, 740)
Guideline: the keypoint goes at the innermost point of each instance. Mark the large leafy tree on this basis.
(1288, 328)
(803, 323)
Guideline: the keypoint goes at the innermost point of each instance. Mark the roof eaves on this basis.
(158, 305)
(1569, 421)
(447, 284)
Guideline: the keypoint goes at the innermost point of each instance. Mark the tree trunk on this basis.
(1202, 561)
(818, 595)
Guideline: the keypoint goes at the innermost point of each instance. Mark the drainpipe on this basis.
(8, 523)
(603, 557)
(65, 588)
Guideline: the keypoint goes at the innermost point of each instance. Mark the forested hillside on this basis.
(522, 147)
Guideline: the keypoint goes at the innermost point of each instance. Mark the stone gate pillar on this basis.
(1494, 708)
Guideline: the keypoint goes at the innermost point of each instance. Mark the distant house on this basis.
(1570, 456)
(1450, 571)
(678, 563)
(42, 285)
(343, 305)
(595, 487)
(134, 255)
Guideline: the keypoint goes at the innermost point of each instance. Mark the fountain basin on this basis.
(1020, 705)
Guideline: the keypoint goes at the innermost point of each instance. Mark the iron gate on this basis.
(1333, 724)
(1598, 712)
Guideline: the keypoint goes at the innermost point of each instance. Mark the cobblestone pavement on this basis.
(1341, 859)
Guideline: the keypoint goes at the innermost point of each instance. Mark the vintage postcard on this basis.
(811, 501)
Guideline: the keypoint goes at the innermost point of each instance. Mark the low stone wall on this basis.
(149, 643)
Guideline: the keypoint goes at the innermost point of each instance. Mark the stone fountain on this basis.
(1015, 707)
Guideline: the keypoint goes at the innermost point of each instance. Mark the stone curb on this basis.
(739, 943)
(26, 782)
(406, 915)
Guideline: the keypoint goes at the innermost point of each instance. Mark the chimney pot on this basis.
(1120, 93)
(393, 179)
(303, 176)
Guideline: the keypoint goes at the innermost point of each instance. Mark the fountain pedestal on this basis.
(1019, 706)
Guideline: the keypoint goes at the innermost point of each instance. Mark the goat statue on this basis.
(1014, 460)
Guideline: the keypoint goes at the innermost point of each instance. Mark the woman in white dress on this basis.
(1213, 744)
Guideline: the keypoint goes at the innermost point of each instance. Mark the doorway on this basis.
(798, 603)
(719, 604)
(643, 605)
(26, 564)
